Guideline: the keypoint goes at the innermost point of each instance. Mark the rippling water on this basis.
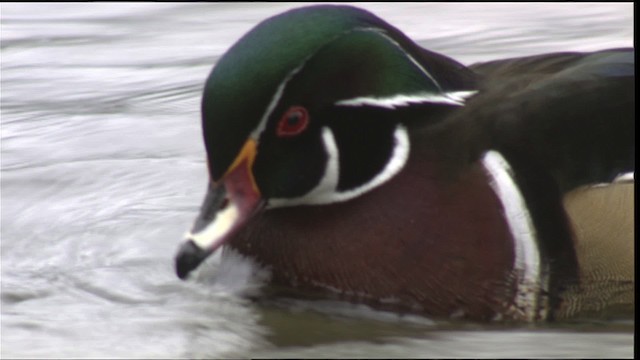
(103, 170)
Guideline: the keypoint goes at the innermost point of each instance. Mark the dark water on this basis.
(103, 171)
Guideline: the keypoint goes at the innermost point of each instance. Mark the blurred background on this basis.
(102, 170)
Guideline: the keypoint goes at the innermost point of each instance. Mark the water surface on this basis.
(103, 171)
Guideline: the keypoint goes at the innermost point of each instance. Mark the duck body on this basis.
(353, 163)
(394, 258)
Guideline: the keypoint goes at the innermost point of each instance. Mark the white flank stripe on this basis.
(620, 179)
(527, 262)
(626, 177)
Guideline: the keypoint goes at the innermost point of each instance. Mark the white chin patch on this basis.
(217, 229)
(326, 192)
(527, 266)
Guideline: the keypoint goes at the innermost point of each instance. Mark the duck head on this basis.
(310, 108)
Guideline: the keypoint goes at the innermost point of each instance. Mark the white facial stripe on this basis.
(326, 191)
(527, 262)
(454, 98)
(461, 96)
(217, 229)
(416, 63)
(274, 102)
(329, 181)
(327, 184)
(397, 161)
(451, 98)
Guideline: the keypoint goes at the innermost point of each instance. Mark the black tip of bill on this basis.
(189, 256)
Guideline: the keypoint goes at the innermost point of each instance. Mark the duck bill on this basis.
(227, 206)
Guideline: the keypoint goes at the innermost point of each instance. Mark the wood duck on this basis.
(353, 163)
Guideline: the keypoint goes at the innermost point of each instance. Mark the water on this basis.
(103, 171)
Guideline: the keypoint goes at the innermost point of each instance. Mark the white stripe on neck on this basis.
(326, 191)
(527, 264)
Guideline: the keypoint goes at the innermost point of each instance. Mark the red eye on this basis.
(293, 122)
